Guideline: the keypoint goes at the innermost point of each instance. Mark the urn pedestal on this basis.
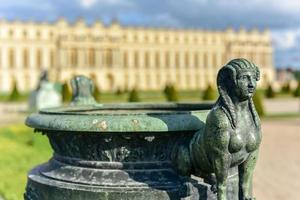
(114, 152)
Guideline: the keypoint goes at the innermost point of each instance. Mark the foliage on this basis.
(134, 96)
(286, 88)
(297, 90)
(66, 93)
(97, 93)
(21, 150)
(119, 92)
(297, 75)
(258, 102)
(14, 95)
(270, 93)
(209, 93)
(171, 93)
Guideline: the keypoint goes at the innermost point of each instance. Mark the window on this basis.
(196, 60)
(167, 39)
(125, 59)
(136, 59)
(147, 63)
(157, 61)
(177, 60)
(51, 35)
(39, 58)
(25, 58)
(10, 33)
(186, 58)
(167, 59)
(25, 34)
(224, 59)
(214, 60)
(74, 55)
(135, 38)
(92, 57)
(205, 60)
(109, 58)
(11, 58)
(38, 35)
(52, 58)
(146, 38)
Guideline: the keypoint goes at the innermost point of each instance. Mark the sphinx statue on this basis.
(231, 136)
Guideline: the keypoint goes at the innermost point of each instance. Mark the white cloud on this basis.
(87, 3)
(286, 39)
(90, 3)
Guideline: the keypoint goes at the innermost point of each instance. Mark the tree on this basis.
(209, 93)
(270, 93)
(97, 93)
(258, 102)
(134, 96)
(119, 92)
(14, 95)
(171, 93)
(66, 93)
(286, 88)
(297, 90)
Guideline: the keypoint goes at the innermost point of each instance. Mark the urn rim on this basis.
(126, 117)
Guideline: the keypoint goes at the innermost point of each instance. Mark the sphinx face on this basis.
(245, 85)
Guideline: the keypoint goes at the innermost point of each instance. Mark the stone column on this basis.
(4, 58)
(46, 58)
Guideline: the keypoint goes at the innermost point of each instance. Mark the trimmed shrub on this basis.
(14, 95)
(258, 102)
(134, 96)
(171, 93)
(209, 93)
(97, 93)
(66, 93)
(286, 88)
(270, 93)
(119, 92)
(297, 90)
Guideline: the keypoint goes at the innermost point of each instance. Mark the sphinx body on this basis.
(232, 133)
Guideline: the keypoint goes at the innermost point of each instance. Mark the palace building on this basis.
(118, 57)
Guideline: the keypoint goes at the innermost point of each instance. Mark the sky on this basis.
(281, 17)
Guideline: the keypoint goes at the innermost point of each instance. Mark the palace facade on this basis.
(118, 57)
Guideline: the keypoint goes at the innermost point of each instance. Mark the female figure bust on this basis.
(232, 132)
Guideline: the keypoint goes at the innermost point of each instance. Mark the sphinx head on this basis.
(237, 80)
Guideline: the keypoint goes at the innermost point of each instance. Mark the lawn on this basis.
(21, 150)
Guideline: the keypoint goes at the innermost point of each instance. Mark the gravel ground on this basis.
(277, 174)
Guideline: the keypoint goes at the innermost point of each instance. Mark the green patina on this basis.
(150, 151)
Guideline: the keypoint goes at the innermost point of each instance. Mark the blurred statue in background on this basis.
(46, 95)
(232, 134)
(83, 89)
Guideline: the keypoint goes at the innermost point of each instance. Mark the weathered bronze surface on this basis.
(150, 151)
(232, 133)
